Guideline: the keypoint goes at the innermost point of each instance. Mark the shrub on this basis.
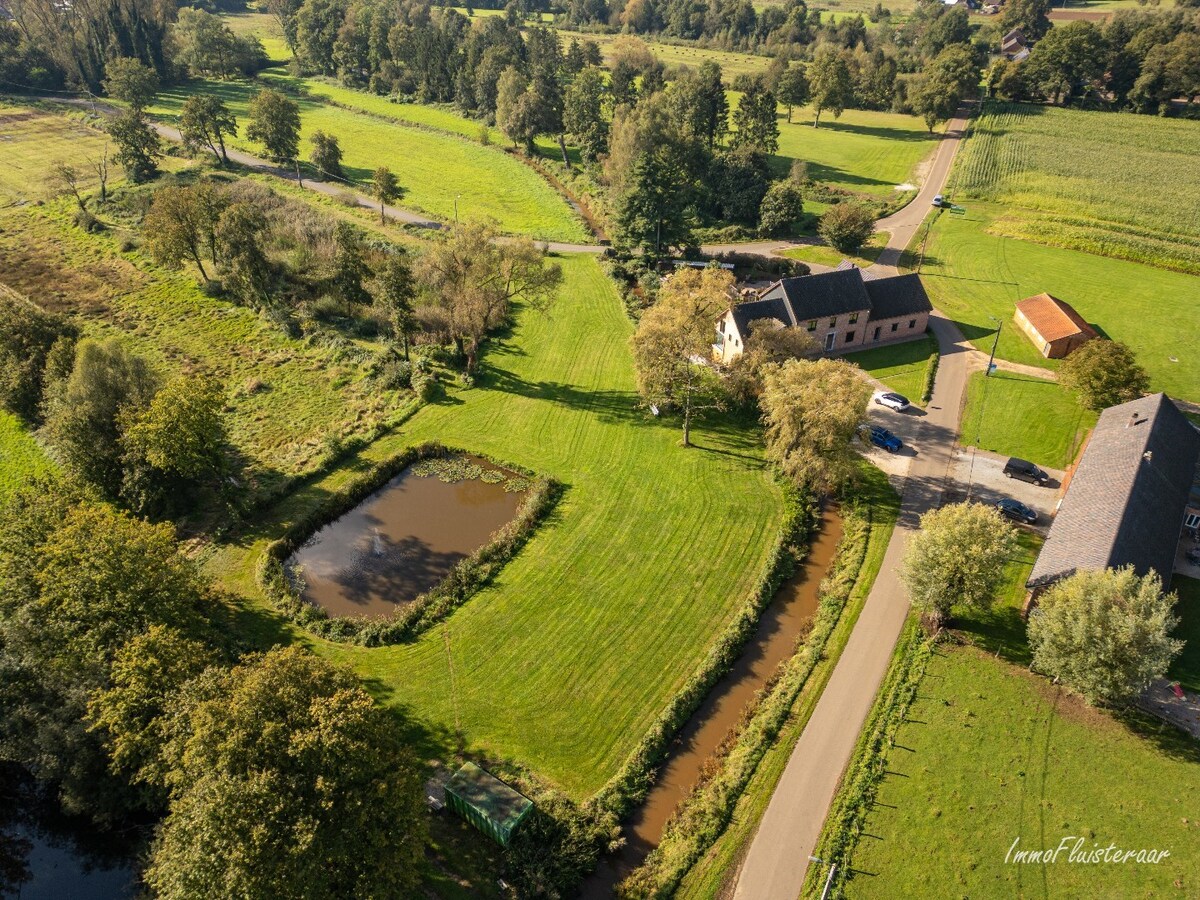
(424, 385)
(847, 226)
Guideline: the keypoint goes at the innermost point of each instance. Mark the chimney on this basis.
(1134, 419)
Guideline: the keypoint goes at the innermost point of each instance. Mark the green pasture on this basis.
(1186, 668)
(972, 273)
(263, 26)
(990, 753)
(433, 168)
(824, 255)
(1114, 184)
(1019, 415)
(20, 456)
(566, 659)
(900, 366)
(31, 141)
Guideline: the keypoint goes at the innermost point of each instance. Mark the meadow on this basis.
(289, 397)
(1115, 184)
(901, 367)
(435, 169)
(989, 753)
(658, 545)
(973, 274)
(1017, 415)
(20, 454)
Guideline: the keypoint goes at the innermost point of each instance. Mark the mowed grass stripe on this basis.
(568, 657)
(433, 168)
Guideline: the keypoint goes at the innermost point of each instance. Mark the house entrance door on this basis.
(876, 337)
(829, 339)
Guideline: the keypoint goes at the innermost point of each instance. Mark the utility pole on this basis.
(995, 341)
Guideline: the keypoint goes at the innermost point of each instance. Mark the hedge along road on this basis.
(778, 857)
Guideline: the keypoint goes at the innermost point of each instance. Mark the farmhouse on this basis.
(1053, 326)
(1125, 503)
(1013, 45)
(842, 310)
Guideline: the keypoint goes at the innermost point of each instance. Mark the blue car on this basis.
(884, 439)
(1017, 511)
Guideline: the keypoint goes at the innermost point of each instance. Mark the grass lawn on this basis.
(20, 455)
(900, 366)
(827, 256)
(862, 151)
(564, 661)
(432, 167)
(32, 141)
(1116, 184)
(1017, 415)
(1186, 669)
(990, 753)
(972, 273)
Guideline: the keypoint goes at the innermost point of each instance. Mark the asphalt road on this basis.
(777, 859)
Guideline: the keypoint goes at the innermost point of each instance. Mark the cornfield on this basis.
(1116, 184)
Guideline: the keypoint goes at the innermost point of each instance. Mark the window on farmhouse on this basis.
(812, 325)
(912, 323)
(853, 318)
(832, 322)
(895, 325)
(849, 336)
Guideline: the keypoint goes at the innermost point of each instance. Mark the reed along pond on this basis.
(402, 540)
(784, 623)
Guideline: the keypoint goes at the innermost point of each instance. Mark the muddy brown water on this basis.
(784, 622)
(399, 542)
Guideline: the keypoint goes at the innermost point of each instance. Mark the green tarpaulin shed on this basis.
(487, 802)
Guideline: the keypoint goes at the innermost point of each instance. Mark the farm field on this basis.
(20, 454)
(665, 543)
(34, 140)
(290, 394)
(901, 366)
(990, 753)
(434, 169)
(971, 274)
(1016, 415)
(1115, 184)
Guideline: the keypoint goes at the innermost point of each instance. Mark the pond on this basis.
(402, 540)
(47, 856)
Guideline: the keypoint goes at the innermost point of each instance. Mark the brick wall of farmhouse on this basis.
(881, 331)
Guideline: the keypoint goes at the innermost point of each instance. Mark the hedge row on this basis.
(630, 786)
(854, 800)
(931, 367)
(410, 620)
(706, 811)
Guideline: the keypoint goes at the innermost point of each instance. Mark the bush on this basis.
(781, 209)
(395, 374)
(424, 385)
(847, 226)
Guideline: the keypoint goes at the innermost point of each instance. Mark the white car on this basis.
(897, 402)
(940, 201)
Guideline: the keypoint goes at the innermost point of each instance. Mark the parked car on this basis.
(885, 440)
(940, 201)
(1017, 511)
(1024, 470)
(891, 400)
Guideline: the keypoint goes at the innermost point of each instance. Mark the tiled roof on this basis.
(903, 295)
(818, 296)
(1053, 318)
(1125, 503)
(745, 313)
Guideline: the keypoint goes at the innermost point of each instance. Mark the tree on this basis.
(756, 124)
(812, 409)
(781, 208)
(28, 336)
(137, 143)
(830, 84)
(933, 100)
(653, 211)
(275, 123)
(64, 178)
(673, 338)
(475, 281)
(175, 445)
(1106, 634)
(181, 224)
(956, 558)
(85, 413)
(207, 46)
(384, 188)
(349, 267)
(583, 113)
(131, 81)
(396, 291)
(80, 580)
(133, 712)
(769, 343)
(1067, 62)
(285, 775)
(204, 121)
(793, 88)
(326, 154)
(517, 114)
(736, 184)
(846, 226)
(1031, 16)
(245, 269)
(99, 165)
(1104, 373)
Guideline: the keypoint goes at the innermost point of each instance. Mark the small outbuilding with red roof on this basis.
(1053, 325)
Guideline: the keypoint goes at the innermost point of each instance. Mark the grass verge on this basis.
(904, 368)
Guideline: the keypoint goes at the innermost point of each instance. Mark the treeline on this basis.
(261, 774)
(1136, 60)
